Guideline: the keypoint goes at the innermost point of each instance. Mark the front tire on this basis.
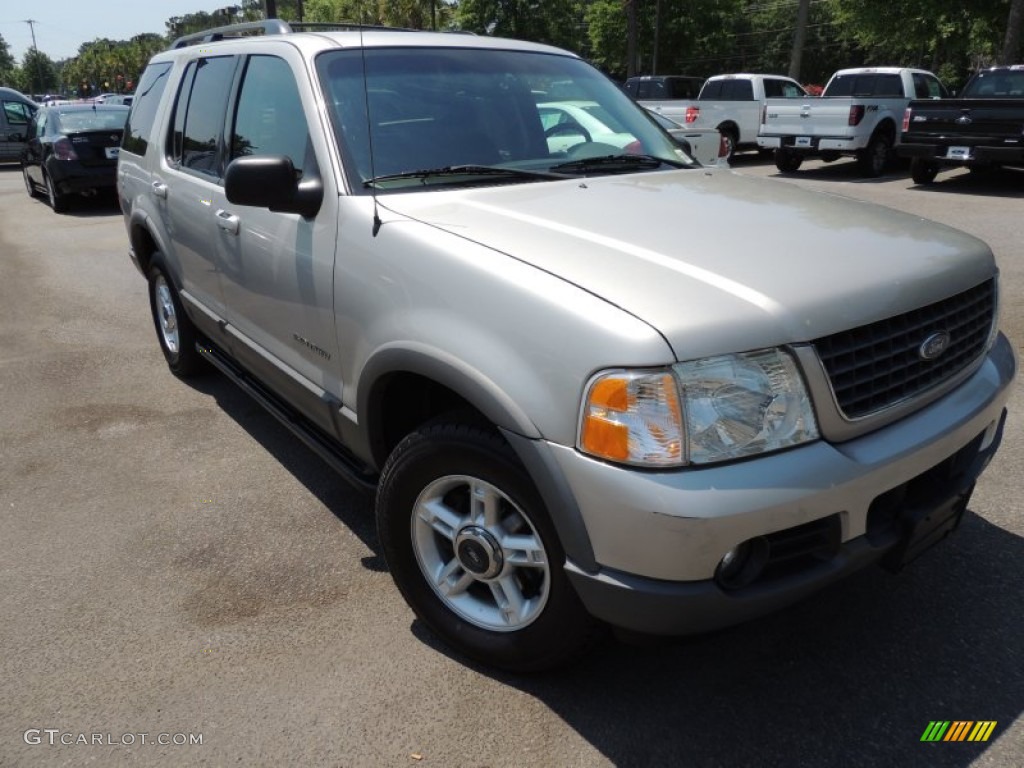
(787, 161)
(174, 329)
(471, 547)
(923, 172)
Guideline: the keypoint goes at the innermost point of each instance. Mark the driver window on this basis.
(269, 119)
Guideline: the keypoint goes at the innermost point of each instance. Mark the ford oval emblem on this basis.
(933, 346)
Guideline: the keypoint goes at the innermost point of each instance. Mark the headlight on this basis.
(633, 417)
(741, 405)
(699, 412)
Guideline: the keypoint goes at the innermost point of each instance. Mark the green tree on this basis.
(38, 72)
(555, 22)
(7, 64)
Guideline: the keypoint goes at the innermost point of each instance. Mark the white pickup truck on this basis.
(859, 114)
(734, 105)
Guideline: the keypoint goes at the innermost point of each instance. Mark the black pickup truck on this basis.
(982, 128)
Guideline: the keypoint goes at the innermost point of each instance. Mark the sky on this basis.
(63, 25)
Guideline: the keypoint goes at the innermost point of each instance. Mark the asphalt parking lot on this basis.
(177, 568)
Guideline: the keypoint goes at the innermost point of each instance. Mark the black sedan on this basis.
(72, 149)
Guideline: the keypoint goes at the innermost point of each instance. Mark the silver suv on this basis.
(573, 413)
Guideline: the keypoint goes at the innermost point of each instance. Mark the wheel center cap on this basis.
(478, 552)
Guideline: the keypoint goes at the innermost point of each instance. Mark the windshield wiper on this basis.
(465, 170)
(612, 163)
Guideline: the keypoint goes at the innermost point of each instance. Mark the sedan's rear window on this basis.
(76, 122)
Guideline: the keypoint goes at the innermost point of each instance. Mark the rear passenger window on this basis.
(199, 114)
(144, 105)
(712, 91)
(269, 119)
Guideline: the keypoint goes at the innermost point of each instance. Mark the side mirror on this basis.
(272, 182)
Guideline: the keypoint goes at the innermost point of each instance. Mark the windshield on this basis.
(443, 109)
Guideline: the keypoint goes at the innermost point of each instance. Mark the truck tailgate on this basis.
(974, 120)
(809, 117)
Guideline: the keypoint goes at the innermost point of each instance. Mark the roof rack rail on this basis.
(244, 29)
(273, 27)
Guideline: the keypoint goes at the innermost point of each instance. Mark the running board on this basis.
(346, 465)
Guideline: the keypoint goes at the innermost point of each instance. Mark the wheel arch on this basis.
(403, 388)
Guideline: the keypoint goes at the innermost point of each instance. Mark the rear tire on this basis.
(729, 138)
(471, 547)
(872, 160)
(29, 186)
(174, 329)
(58, 202)
(787, 161)
(923, 172)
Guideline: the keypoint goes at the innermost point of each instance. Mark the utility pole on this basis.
(799, 39)
(31, 25)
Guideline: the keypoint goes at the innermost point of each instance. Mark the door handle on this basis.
(227, 221)
(160, 189)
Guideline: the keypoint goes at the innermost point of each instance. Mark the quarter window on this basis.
(144, 105)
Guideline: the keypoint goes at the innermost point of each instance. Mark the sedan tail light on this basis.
(63, 150)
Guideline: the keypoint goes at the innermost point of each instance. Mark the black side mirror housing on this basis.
(271, 181)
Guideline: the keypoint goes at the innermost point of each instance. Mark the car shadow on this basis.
(852, 676)
(1003, 182)
(353, 508)
(95, 206)
(844, 169)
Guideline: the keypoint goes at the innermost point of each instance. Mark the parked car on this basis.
(16, 111)
(72, 149)
(983, 128)
(596, 388)
(734, 104)
(705, 145)
(858, 114)
(663, 87)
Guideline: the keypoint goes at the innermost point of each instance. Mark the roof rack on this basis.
(272, 27)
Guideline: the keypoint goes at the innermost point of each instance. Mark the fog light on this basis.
(742, 565)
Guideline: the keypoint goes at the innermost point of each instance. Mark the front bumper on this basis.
(659, 537)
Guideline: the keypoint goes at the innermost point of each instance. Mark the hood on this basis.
(715, 261)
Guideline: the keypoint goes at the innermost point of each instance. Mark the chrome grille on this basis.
(877, 365)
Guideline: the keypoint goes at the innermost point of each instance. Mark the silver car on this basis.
(573, 409)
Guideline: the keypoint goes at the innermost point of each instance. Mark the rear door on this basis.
(191, 175)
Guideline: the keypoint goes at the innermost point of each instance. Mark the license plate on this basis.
(802, 141)
(112, 152)
(958, 153)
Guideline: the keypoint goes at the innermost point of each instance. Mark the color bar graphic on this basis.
(958, 730)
